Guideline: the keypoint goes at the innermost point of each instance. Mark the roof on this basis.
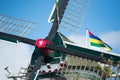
(106, 55)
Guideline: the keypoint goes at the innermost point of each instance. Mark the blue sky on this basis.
(103, 16)
(103, 19)
(37, 11)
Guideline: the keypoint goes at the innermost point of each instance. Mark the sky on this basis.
(102, 18)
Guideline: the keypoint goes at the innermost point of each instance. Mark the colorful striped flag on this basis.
(97, 42)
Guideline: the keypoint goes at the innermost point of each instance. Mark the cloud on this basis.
(13, 55)
(78, 39)
(112, 38)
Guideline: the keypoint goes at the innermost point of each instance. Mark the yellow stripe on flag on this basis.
(107, 48)
(96, 41)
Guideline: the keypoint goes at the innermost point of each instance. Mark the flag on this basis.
(97, 42)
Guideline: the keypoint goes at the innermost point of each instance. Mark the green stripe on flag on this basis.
(97, 45)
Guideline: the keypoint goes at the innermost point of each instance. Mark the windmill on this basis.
(51, 52)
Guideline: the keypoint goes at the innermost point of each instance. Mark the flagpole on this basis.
(87, 37)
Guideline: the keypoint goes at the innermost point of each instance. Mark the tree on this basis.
(118, 70)
(107, 71)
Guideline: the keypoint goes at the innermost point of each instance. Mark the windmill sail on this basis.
(74, 14)
(15, 26)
